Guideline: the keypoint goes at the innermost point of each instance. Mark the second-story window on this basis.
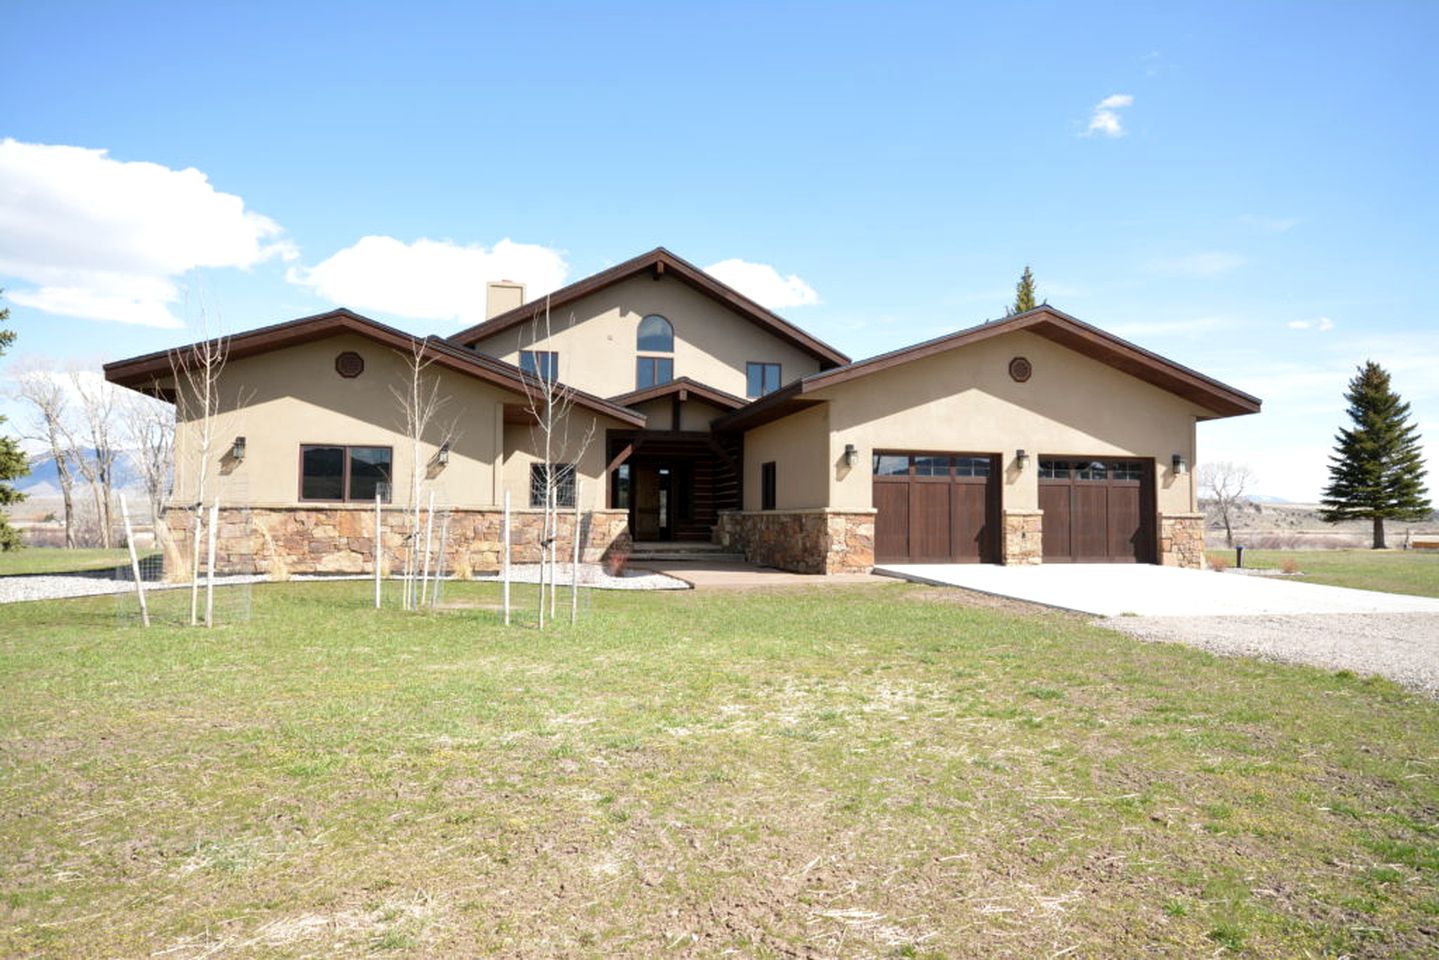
(655, 336)
(544, 364)
(761, 378)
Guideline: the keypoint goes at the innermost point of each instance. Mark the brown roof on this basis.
(681, 385)
(140, 372)
(1219, 398)
(658, 262)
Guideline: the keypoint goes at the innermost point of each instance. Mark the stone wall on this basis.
(279, 541)
(1023, 537)
(1181, 540)
(803, 541)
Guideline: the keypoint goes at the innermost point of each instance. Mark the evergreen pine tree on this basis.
(13, 463)
(1377, 470)
(1023, 293)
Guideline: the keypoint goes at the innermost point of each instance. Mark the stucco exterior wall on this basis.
(293, 396)
(799, 446)
(965, 400)
(597, 350)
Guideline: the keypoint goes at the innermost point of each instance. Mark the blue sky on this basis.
(1245, 188)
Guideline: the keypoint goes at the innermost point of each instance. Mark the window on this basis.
(653, 371)
(344, 473)
(620, 496)
(766, 486)
(564, 483)
(544, 364)
(1054, 469)
(655, 335)
(761, 378)
(931, 466)
(971, 466)
(890, 465)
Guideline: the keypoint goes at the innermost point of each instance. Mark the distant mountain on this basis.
(44, 478)
(1265, 498)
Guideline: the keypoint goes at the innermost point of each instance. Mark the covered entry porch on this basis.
(673, 483)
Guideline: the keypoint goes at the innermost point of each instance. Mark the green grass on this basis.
(871, 771)
(55, 560)
(1393, 571)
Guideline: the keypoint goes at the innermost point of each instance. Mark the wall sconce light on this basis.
(851, 455)
(442, 456)
(1181, 466)
(237, 449)
(1021, 459)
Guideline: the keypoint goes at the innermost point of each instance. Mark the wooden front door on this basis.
(936, 507)
(1097, 510)
(648, 520)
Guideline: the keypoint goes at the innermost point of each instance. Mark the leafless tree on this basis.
(421, 403)
(149, 427)
(196, 370)
(1223, 485)
(550, 403)
(93, 441)
(39, 386)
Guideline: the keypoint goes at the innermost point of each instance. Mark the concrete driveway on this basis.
(1112, 590)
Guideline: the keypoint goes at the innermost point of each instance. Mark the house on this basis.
(1036, 438)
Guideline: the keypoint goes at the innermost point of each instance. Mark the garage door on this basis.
(935, 507)
(1097, 510)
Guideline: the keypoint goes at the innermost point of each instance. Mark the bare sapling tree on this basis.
(196, 370)
(39, 386)
(421, 401)
(149, 430)
(95, 444)
(560, 445)
(1223, 484)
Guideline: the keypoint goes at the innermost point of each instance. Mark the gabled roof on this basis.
(658, 263)
(139, 373)
(1220, 399)
(681, 386)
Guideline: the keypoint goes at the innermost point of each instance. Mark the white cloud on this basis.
(1105, 119)
(105, 239)
(763, 284)
(429, 279)
(1268, 224)
(1323, 324)
(1208, 264)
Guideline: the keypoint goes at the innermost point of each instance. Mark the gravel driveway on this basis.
(1403, 647)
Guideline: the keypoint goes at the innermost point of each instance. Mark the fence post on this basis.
(210, 565)
(425, 569)
(135, 561)
(379, 544)
(505, 557)
(575, 564)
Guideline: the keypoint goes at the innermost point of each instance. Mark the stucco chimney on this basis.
(502, 296)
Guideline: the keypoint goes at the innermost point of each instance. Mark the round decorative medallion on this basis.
(349, 364)
(1019, 369)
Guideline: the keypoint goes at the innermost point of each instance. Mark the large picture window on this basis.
(564, 483)
(761, 378)
(544, 364)
(341, 473)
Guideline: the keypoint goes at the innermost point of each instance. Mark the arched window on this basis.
(656, 335)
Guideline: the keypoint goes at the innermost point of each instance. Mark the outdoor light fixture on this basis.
(1181, 466)
(1021, 459)
(851, 455)
(442, 457)
(237, 450)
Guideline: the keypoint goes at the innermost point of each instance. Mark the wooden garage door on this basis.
(935, 507)
(1097, 510)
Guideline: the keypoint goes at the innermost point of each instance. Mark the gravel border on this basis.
(1404, 647)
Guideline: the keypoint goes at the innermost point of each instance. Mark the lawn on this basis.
(56, 560)
(870, 771)
(1394, 571)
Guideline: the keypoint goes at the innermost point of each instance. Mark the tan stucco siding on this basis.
(965, 400)
(595, 338)
(523, 447)
(799, 447)
(293, 396)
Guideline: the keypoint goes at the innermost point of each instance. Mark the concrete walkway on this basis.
(734, 575)
(1113, 590)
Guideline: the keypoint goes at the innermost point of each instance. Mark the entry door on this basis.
(653, 502)
(935, 507)
(1097, 510)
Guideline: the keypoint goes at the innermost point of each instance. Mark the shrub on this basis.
(1218, 564)
(1290, 565)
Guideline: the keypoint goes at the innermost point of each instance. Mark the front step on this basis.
(681, 550)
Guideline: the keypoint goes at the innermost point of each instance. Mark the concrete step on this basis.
(680, 550)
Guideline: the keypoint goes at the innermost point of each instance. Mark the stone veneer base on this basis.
(280, 541)
(1181, 540)
(801, 541)
(1023, 537)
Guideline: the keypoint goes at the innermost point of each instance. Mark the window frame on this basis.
(765, 367)
(561, 501)
(551, 359)
(639, 348)
(345, 472)
(655, 381)
(768, 485)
